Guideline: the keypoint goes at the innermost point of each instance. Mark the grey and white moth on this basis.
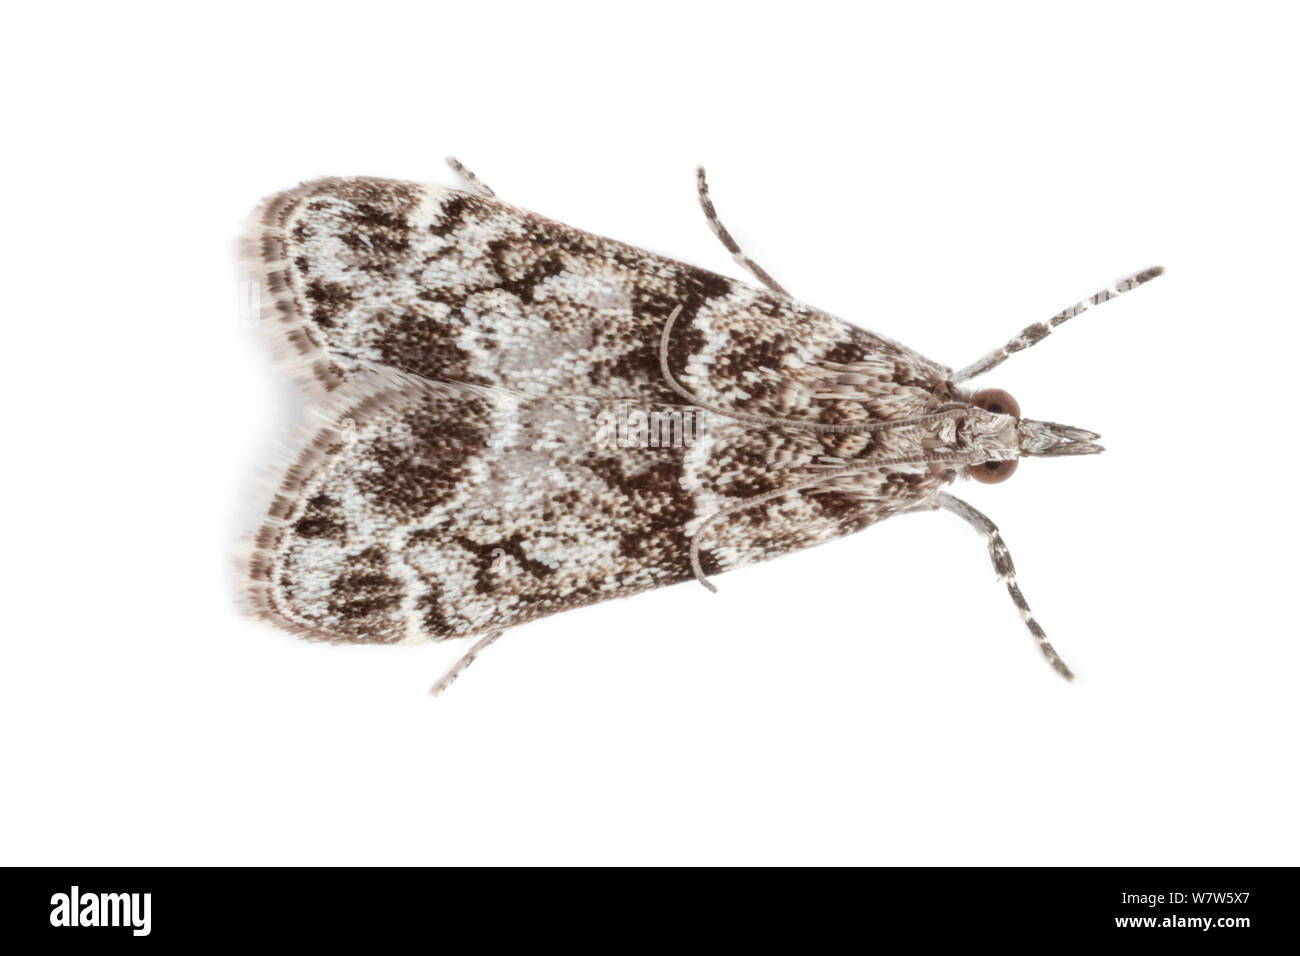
(515, 417)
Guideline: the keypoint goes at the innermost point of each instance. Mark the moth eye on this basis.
(996, 401)
(992, 472)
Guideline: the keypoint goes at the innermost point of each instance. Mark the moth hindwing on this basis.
(513, 417)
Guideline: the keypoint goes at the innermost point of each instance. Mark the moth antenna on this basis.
(1035, 333)
(466, 659)
(1006, 571)
(719, 230)
(755, 500)
(472, 181)
(857, 428)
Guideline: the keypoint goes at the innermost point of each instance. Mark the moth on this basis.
(513, 417)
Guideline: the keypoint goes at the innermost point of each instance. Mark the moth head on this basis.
(998, 437)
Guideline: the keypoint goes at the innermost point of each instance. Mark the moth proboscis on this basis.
(513, 417)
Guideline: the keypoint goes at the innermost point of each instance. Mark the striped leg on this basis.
(472, 181)
(466, 659)
(719, 230)
(1006, 572)
(1035, 333)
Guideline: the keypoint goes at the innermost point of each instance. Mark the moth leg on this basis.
(472, 181)
(719, 230)
(751, 502)
(466, 659)
(1006, 572)
(1033, 334)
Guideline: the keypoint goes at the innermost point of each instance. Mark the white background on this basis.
(942, 174)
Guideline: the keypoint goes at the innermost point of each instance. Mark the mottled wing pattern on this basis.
(424, 511)
(471, 357)
(454, 286)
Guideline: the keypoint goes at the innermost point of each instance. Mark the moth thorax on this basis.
(844, 445)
